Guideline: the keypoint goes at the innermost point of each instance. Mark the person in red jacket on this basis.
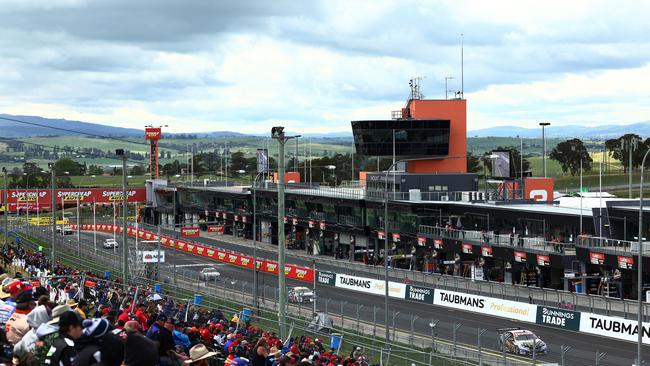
(142, 317)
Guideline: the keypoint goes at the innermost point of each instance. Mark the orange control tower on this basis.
(430, 135)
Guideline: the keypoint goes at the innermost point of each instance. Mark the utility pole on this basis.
(125, 247)
(278, 134)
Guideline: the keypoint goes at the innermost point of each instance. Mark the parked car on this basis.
(520, 342)
(209, 274)
(110, 244)
(300, 294)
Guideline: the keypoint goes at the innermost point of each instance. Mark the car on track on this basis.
(66, 230)
(209, 274)
(520, 342)
(110, 243)
(300, 294)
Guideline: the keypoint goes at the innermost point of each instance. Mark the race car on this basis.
(300, 294)
(520, 341)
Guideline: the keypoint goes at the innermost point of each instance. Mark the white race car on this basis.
(521, 342)
(111, 243)
(300, 294)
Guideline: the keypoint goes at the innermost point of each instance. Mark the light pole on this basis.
(125, 251)
(255, 305)
(52, 193)
(640, 267)
(5, 201)
(278, 134)
(544, 124)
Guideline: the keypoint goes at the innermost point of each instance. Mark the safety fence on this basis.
(560, 318)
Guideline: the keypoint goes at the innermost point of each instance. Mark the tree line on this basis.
(571, 155)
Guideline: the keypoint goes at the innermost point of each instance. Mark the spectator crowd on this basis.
(63, 316)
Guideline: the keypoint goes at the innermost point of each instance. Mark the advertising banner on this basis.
(613, 327)
(310, 223)
(396, 237)
(322, 225)
(419, 294)
(190, 232)
(422, 241)
(151, 256)
(380, 235)
(215, 229)
(520, 257)
(437, 243)
(40, 199)
(486, 305)
(370, 286)
(326, 278)
(543, 260)
(152, 133)
(262, 160)
(625, 262)
(466, 248)
(596, 258)
(486, 251)
(558, 318)
(295, 221)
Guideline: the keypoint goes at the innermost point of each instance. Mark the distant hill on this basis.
(567, 131)
(15, 129)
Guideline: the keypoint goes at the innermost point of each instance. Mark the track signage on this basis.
(486, 305)
(558, 318)
(613, 327)
(370, 285)
(326, 278)
(419, 294)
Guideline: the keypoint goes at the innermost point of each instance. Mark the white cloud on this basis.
(317, 67)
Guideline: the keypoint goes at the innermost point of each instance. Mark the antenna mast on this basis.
(462, 67)
(416, 90)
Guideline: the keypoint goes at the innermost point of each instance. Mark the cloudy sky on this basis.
(314, 66)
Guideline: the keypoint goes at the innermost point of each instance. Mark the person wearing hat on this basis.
(63, 351)
(17, 326)
(199, 355)
(88, 344)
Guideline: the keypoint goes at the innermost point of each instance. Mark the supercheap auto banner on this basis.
(290, 270)
(42, 198)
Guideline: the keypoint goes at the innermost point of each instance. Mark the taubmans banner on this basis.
(42, 198)
(370, 285)
(486, 305)
(613, 327)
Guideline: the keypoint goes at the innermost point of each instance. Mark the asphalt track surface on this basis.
(584, 348)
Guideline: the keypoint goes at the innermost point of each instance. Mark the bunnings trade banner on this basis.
(558, 318)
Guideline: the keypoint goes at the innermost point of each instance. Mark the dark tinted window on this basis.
(417, 137)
